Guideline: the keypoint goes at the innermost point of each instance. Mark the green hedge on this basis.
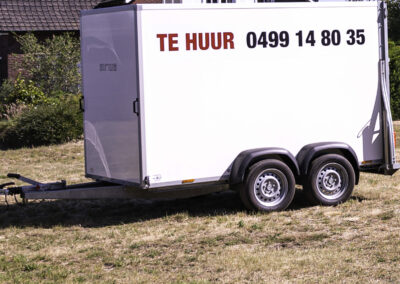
(41, 106)
(394, 19)
(394, 53)
(43, 125)
(52, 64)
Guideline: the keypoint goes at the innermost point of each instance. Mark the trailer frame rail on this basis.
(100, 190)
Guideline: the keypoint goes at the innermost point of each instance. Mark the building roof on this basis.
(42, 15)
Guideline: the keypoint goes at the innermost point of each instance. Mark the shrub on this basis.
(12, 110)
(6, 88)
(394, 53)
(23, 91)
(394, 19)
(41, 106)
(3, 125)
(16, 95)
(44, 125)
(52, 64)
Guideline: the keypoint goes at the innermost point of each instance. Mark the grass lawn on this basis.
(200, 240)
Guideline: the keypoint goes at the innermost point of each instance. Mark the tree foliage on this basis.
(52, 64)
(394, 19)
(24, 92)
(41, 106)
(394, 53)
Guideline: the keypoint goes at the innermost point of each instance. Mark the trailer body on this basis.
(174, 93)
(185, 99)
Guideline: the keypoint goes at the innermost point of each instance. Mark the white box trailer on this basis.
(254, 96)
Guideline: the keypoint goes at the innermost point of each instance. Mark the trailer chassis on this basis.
(101, 190)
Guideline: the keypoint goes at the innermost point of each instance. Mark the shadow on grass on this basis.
(358, 198)
(100, 213)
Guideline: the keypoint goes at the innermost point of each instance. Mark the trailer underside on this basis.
(103, 190)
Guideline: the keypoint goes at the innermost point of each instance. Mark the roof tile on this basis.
(45, 15)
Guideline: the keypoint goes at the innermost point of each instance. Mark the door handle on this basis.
(82, 104)
(136, 107)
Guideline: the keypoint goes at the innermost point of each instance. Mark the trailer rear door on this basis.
(110, 87)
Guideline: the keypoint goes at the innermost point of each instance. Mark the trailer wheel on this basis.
(244, 197)
(330, 181)
(270, 186)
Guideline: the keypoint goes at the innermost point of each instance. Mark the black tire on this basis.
(245, 198)
(330, 180)
(269, 186)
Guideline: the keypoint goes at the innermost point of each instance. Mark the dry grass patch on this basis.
(199, 240)
(45, 164)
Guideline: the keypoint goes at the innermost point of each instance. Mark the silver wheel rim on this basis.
(270, 187)
(332, 181)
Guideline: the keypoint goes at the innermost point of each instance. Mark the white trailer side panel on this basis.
(203, 107)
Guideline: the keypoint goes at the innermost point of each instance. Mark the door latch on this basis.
(136, 106)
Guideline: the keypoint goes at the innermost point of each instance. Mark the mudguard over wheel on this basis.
(269, 186)
(330, 181)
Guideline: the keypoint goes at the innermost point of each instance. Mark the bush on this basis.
(6, 88)
(16, 95)
(44, 125)
(23, 91)
(12, 110)
(394, 19)
(53, 64)
(41, 106)
(394, 53)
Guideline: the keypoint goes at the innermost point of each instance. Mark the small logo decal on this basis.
(155, 178)
(108, 67)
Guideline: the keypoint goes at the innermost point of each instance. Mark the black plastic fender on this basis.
(247, 158)
(311, 151)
